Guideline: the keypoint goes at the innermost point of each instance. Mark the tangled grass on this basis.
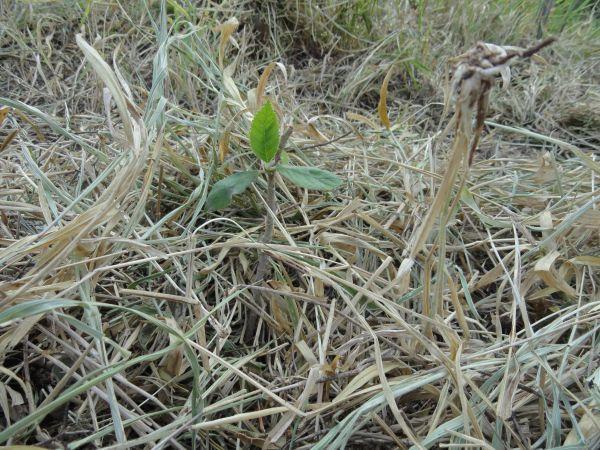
(123, 302)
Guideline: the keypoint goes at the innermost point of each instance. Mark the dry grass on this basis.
(123, 301)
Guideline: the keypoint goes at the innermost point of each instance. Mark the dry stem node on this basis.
(474, 76)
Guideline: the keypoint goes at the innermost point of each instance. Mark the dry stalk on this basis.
(474, 76)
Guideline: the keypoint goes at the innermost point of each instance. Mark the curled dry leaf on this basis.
(226, 29)
(382, 106)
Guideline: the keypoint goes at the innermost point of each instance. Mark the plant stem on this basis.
(263, 260)
(268, 234)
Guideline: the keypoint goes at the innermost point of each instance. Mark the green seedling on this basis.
(268, 145)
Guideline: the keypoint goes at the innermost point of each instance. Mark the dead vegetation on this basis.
(444, 296)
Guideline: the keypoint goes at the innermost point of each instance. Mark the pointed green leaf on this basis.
(264, 133)
(223, 190)
(310, 177)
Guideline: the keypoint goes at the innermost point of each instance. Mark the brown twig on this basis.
(528, 52)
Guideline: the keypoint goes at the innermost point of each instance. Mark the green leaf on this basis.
(221, 193)
(264, 133)
(310, 177)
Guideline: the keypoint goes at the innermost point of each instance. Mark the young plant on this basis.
(267, 144)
